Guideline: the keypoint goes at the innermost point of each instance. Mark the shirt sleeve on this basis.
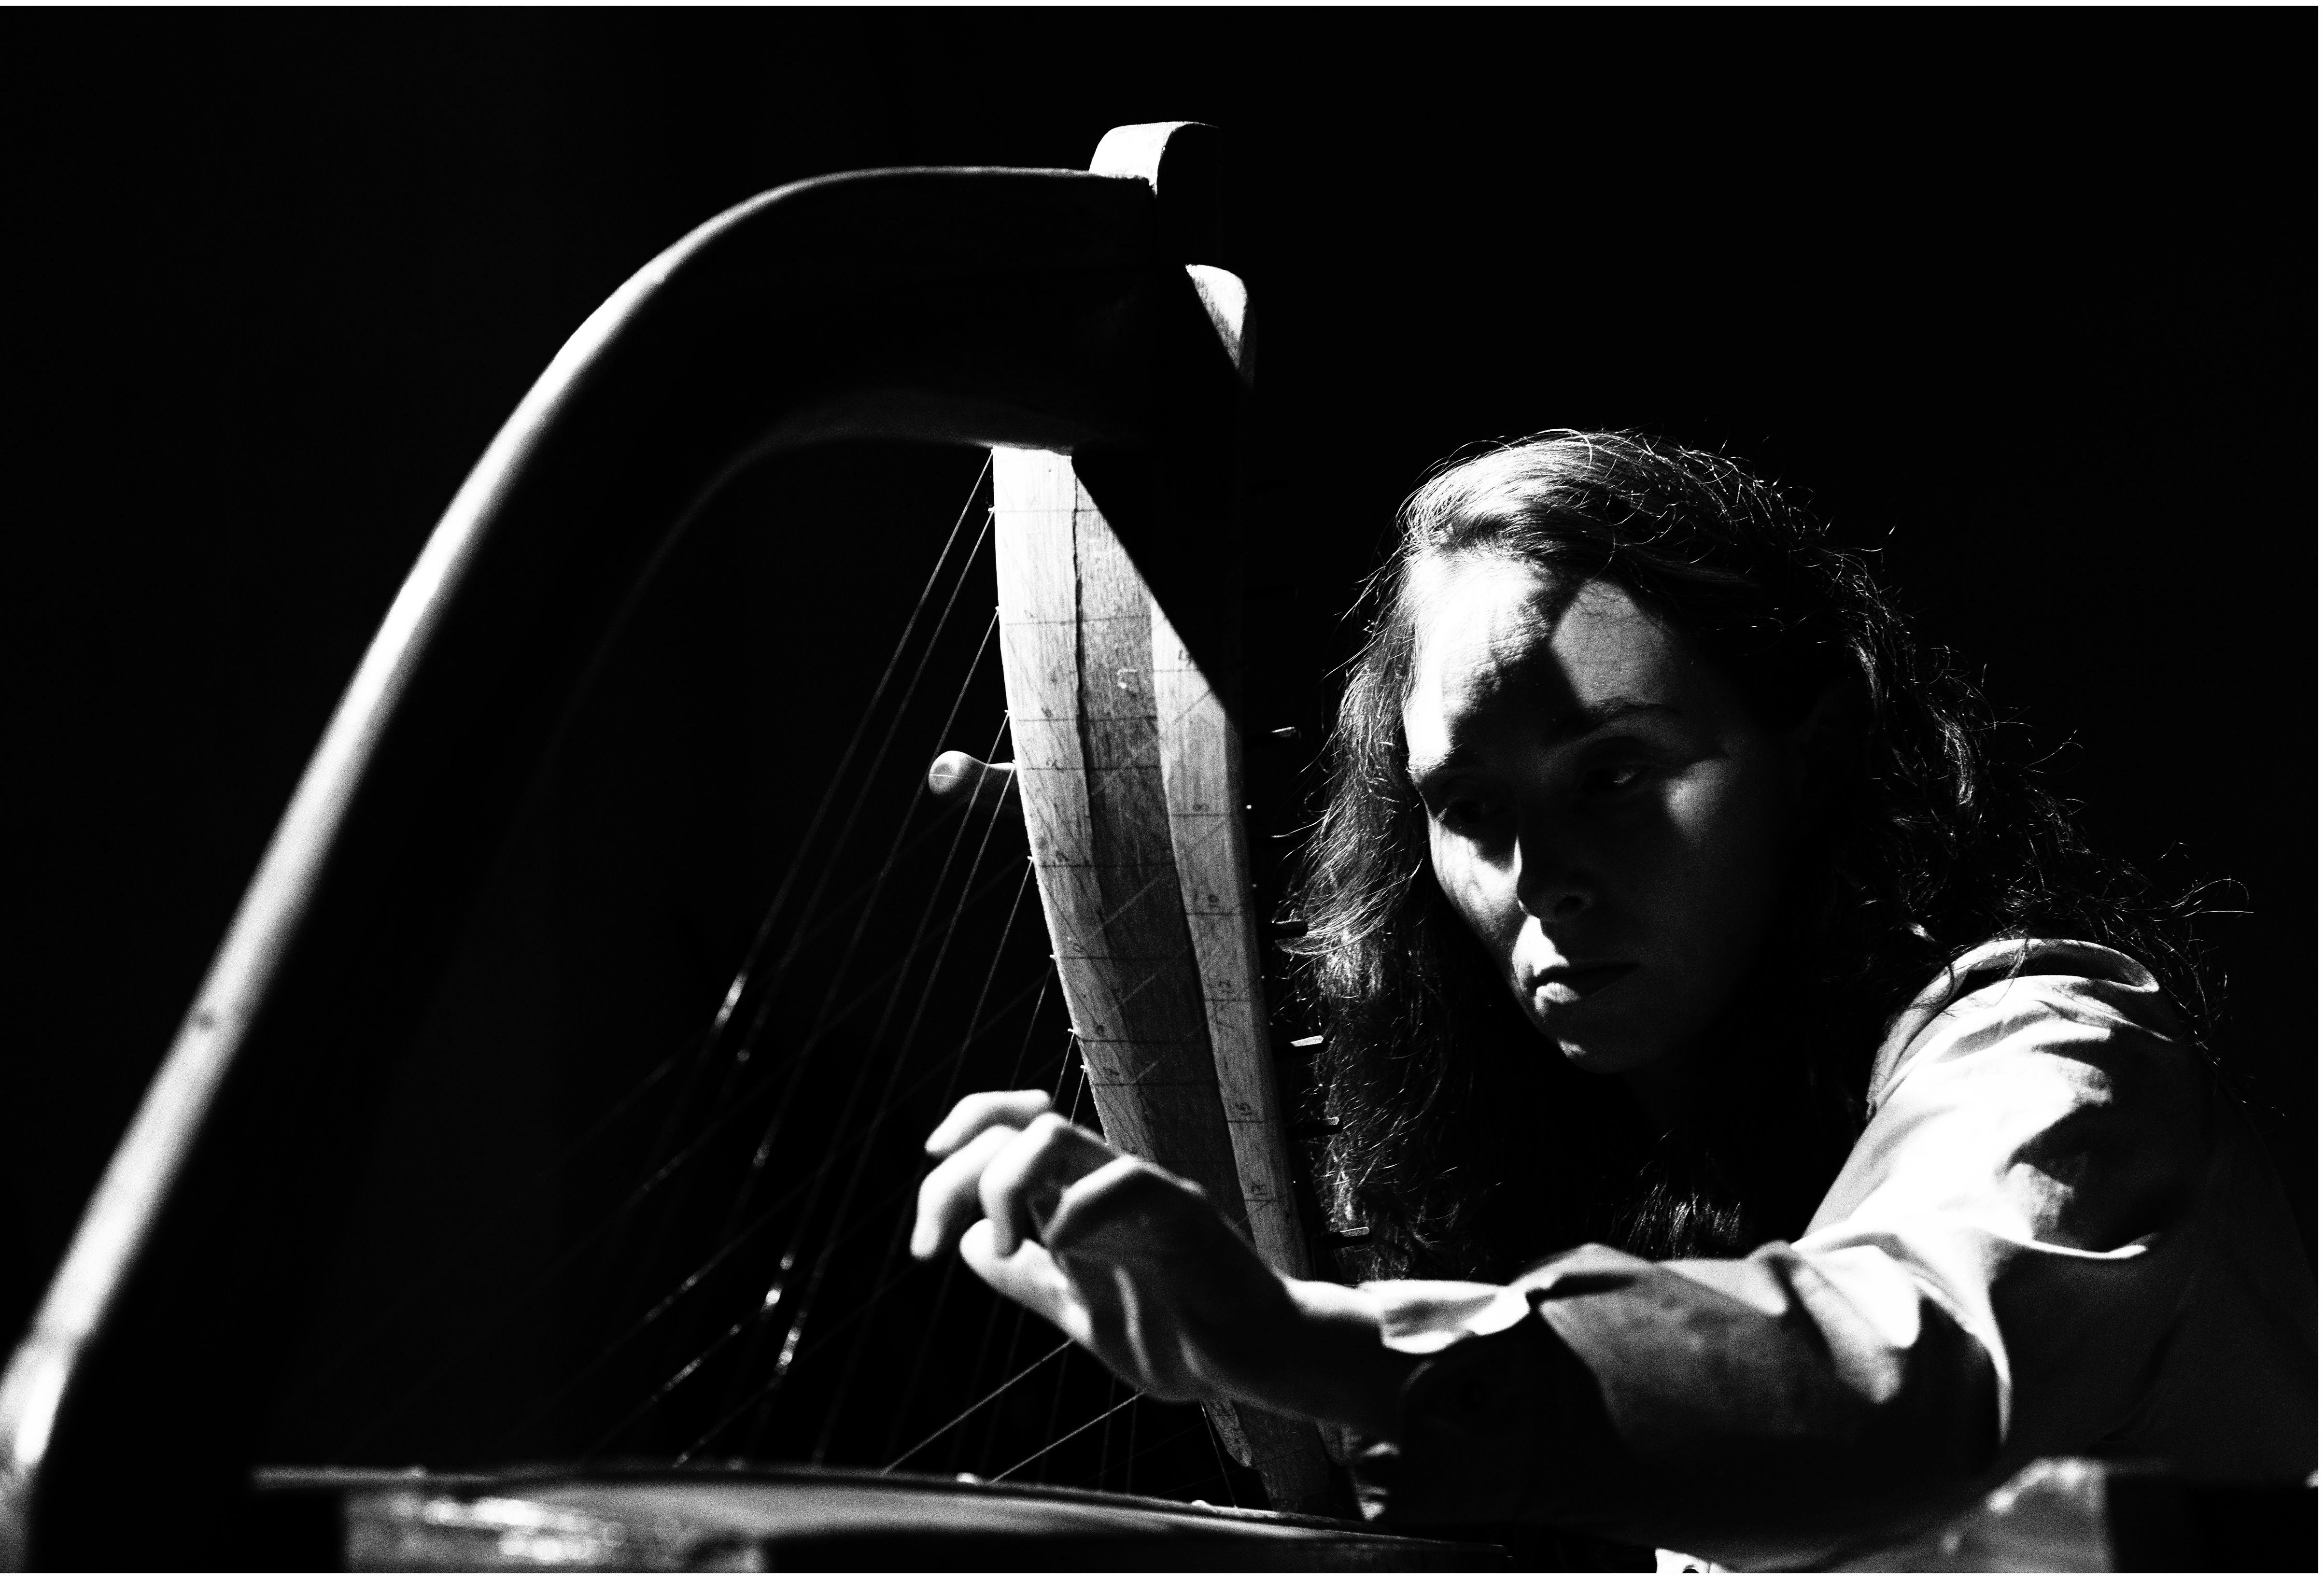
(1989, 1279)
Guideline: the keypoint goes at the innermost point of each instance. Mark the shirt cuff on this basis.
(1424, 1318)
(1488, 1418)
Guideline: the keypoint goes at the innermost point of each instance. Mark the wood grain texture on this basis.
(1133, 802)
(1201, 774)
(1158, 960)
(1076, 657)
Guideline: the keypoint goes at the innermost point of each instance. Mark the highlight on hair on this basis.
(1466, 1145)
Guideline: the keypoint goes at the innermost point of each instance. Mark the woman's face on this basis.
(1603, 810)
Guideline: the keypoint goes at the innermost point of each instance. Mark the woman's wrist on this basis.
(1328, 1362)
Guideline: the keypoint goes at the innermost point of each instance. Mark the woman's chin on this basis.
(1596, 1053)
(1617, 1029)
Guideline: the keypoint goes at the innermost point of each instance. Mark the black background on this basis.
(2026, 302)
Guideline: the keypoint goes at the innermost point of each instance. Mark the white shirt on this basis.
(2056, 1234)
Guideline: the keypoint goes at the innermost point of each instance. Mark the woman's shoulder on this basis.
(2053, 1163)
(2030, 995)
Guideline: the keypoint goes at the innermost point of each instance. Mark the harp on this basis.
(1041, 314)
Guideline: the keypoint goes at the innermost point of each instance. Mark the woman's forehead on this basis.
(1489, 630)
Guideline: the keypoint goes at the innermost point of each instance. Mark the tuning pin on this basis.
(958, 779)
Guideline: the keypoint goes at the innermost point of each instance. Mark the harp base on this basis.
(763, 1519)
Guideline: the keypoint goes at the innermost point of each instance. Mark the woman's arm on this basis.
(1997, 1274)
(1756, 1411)
(1136, 1266)
(1684, 1404)
(1991, 1279)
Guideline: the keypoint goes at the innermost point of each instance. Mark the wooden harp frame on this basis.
(1041, 313)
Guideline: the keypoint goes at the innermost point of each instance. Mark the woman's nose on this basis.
(1553, 883)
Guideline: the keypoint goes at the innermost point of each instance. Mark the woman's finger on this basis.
(1128, 1208)
(1029, 1275)
(1198, 1304)
(1020, 1186)
(1155, 1337)
(1086, 1305)
(948, 1195)
(975, 1113)
(1101, 1307)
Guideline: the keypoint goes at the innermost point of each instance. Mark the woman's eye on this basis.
(1613, 778)
(1464, 812)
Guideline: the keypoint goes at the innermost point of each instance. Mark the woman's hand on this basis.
(1136, 1265)
(1129, 1262)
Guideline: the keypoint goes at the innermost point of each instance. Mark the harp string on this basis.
(1144, 755)
(952, 1264)
(756, 952)
(763, 1393)
(1141, 757)
(754, 955)
(868, 992)
(482, 1232)
(1079, 1072)
(1105, 1441)
(907, 1455)
(547, 1279)
(855, 940)
(885, 1105)
(813, 919)
(734, 1235)
(994, 1310)
(1056, 1403)
(1129, 1449)
(745, 1235)
(486, 1228)
(752, 996)
(1020, 1316)
(1068, 1436)
(896, 1235)
(993, 1307)
(804, 1307)
(760, 1394)
(891, 1099)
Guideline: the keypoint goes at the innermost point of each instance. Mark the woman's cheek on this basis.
(1712, 813)
(1462, 877)
(1727, 854)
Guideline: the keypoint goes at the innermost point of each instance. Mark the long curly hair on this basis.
(1464, 1144)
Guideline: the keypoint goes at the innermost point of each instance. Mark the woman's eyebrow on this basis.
(1417, 770)
(1598, 715)
(1562, 727)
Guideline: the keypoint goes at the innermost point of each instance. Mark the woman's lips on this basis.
(1569, 984)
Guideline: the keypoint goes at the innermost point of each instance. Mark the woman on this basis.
(1667, 901)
